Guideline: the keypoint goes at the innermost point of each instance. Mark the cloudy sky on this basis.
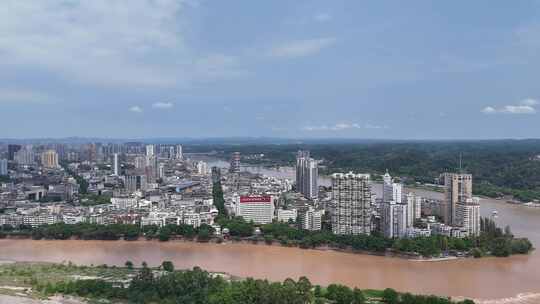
(188, 68)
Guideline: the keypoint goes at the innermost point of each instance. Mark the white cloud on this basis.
(301, 48)
(525, 106)
(489, 110)
(518, 109)
(134, 43)
(136, 109)
(322, 17)
(162, 105)
(529, 102)
(342, 126)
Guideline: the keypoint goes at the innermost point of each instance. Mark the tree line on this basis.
(492, 240)
(499, 167)
(165, 285)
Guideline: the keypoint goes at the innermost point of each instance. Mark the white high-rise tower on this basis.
(116, 165)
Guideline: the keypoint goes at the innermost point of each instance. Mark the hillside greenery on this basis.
(499, 167)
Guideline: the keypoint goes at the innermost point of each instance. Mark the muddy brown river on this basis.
(487, 278)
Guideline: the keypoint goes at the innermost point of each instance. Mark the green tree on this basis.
(167, 266)
(129, 264)
(390, 296)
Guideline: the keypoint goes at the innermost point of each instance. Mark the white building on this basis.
(150, 151)
(285, 215)
(72, 219)
(116, 165)
(391, 191)
(39, 219)
(468, 216)
(124, 202)
(259, 209)
(24, 157)
(414, 208)
(418, 232)
(310, 219)
(202, 168)
(179, 154)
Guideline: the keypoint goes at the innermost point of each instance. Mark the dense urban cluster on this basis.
(132, 190)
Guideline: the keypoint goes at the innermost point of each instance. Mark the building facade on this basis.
(351, 200)
(116, 165)
(3, 167)
(256, 208)
(457, 189)
(307, 174)
(468, 215)
(235, 163)
(310, 219)
(49, 159)
(391, 191)
(394, 219)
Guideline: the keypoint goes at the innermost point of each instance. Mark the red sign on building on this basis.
(256, 199)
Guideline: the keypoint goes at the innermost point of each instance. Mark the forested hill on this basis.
(498, 166)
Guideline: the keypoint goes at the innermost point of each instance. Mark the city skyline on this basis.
(283, 70)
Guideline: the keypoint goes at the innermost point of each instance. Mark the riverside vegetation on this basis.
(164, 284)
(493, 240)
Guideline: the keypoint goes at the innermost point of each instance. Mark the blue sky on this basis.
(188, 68)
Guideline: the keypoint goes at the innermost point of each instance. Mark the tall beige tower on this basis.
(49, 159)
(457, 189)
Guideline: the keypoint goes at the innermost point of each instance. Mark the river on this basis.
(486, 278)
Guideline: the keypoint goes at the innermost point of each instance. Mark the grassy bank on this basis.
(164, 284)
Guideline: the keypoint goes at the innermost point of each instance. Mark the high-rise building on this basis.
(468, 216)
(116, 165)
(307, 175)
(179, 154)
(151, 168)
(413, 208)
(351, 201)
(3, 167)
(12, 149)
(309, 218)
(391, 191)
(387, 194)
(140, 162)
(150, 150)
(49, 159)
(135, 183)
(24, 157)
(235, 163)
(394, 220)
(457, 189)
(216, 174)
(202, 168)
(161, 171)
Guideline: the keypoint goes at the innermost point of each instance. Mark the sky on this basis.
(289, 69)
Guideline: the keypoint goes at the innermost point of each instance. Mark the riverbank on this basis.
(472, 277)
(67, 283)
(492, 241)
